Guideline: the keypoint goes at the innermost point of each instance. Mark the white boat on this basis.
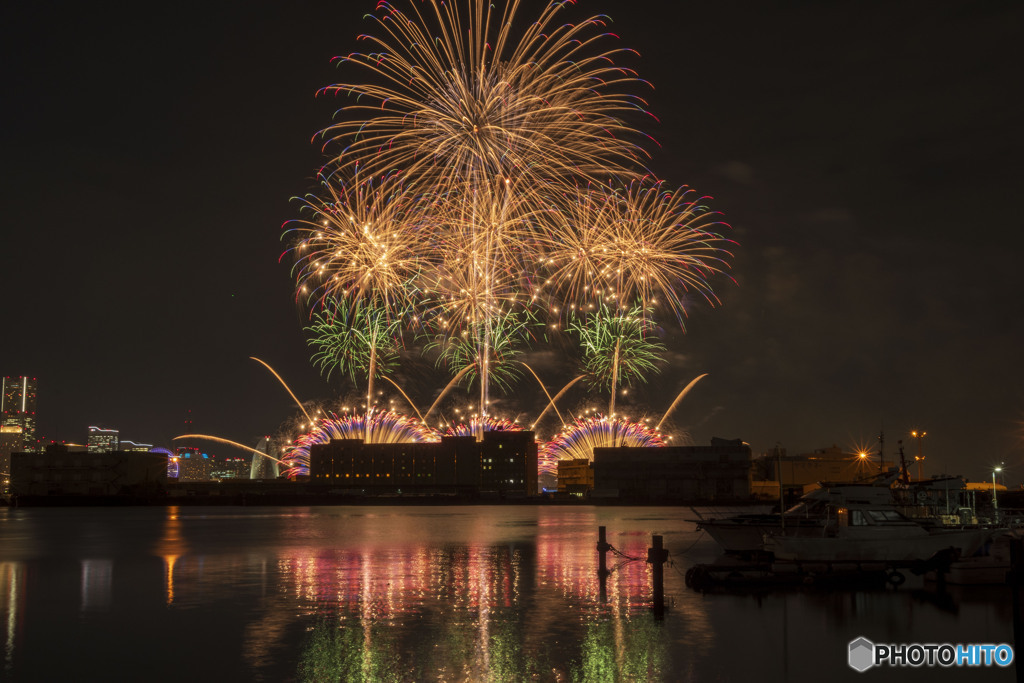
(745, 534)
(876, 533)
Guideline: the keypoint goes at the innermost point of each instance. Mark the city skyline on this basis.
(852, 159)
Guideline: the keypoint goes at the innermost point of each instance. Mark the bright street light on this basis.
(995, 503)
(919, 435)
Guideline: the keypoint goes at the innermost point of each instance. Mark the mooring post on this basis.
(602, 566)
(656, 557)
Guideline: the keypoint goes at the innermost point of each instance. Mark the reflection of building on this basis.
(193, 464)
(504, 462)
(18, 408)
(102, 440)
(60, 472)
(10, 441)
(717, 472)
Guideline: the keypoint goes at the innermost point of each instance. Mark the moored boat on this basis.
(745, 534)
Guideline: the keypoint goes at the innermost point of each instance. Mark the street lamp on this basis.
(921, 456)
(919, 435)
(995, 503)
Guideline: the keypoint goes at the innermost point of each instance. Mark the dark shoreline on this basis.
(298, 500)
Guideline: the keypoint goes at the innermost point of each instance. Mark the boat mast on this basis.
(881, 452)
(782, 490)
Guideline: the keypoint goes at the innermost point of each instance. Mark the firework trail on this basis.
(579, 439)
(552, 401)
(682, 394)
(284, 384)
(382, 427)
(229, 442)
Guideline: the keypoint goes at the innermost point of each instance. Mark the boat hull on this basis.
(748, 535)
(909, 544)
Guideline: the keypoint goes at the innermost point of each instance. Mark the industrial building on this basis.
(716, 473)
(60, 472)
(504, 463)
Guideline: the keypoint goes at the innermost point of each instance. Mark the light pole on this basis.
(920, 455)
(995, 503)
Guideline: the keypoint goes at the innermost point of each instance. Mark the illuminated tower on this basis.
(103, 440)
(18, 409)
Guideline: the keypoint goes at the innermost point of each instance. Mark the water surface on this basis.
(488, 593)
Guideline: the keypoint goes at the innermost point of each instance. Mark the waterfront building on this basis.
(575, 476)
(102, 440)
(58, 471)
(800, 473)
(10, 441)
(18, 409)
(508, 462)
(192, 464)
(719, 472)
(504, 463)
(229, 468)
(262, 466)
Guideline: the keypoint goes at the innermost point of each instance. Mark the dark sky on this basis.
(866, 154)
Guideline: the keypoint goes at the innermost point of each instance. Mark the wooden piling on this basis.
(656, 557)
(602, 566)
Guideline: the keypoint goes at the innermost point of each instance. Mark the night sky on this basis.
(867, 156)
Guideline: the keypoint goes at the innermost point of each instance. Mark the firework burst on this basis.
(490, 424)
(489, 122)
(459, 95)
(482, 167)
(354, 337)
(618, 347)
(579, 439)
(381, 427)
(498, 358)
(641, 246)
(357, 240)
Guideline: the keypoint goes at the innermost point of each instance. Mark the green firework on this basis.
(353, 338)
(619, 346)
(506, 334)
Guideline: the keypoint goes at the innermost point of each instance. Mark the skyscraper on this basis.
(102, 440)
(18, 409)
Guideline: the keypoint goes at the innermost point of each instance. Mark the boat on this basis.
(934, 504)
(990, 565)
(745, 534)
(877, 533)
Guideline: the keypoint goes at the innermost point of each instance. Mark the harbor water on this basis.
(431, 593)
